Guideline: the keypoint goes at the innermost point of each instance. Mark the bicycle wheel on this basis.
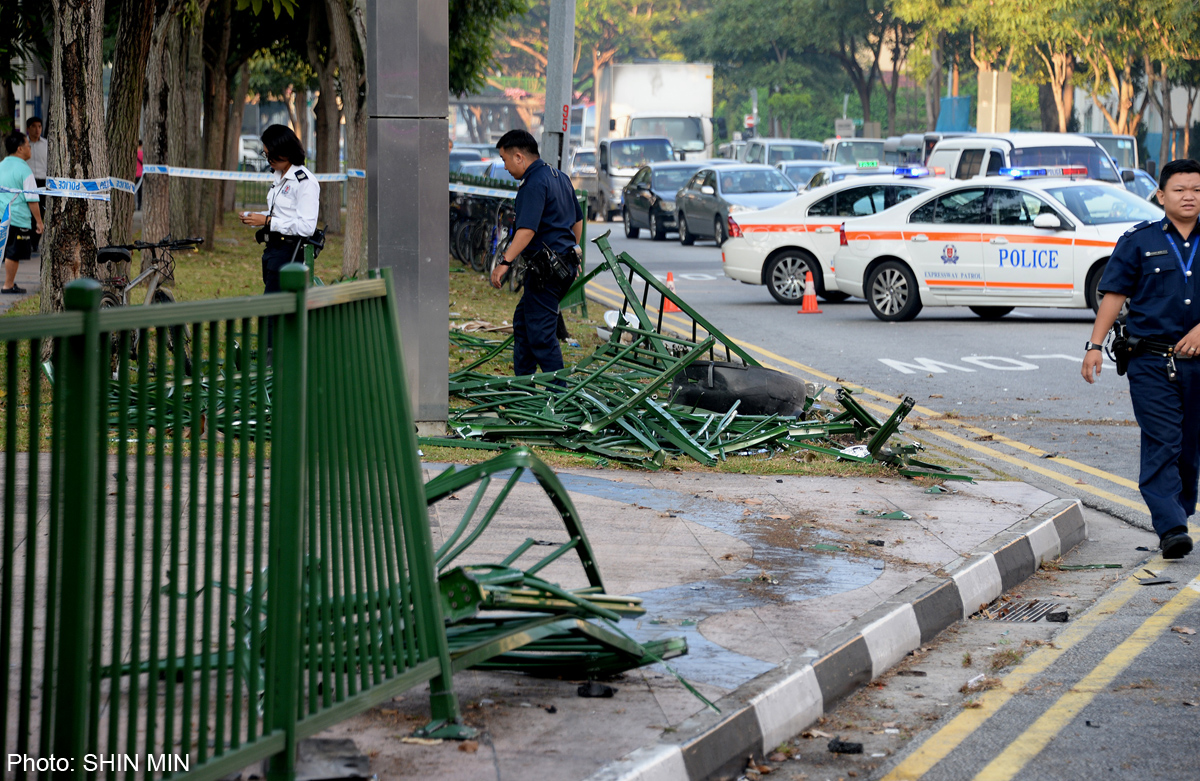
(481, 245)
(164, 296)
(110, 300)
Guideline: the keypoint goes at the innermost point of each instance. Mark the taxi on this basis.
(776, 247)
(1027, 237)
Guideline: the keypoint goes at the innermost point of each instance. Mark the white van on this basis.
(967, 157)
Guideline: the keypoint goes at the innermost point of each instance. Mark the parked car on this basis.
(618, 160)
(775, 150)
(460, 156)
(475, 167)
(649, 198)
(486, 151)
(967, 157)
(704, 204)
(582, 169)
(799, 172)
(1140, 183)
(849, 151)
(732, 150)
(250, 157)
(908, 149)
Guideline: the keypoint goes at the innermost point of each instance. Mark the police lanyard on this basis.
(1193, 240)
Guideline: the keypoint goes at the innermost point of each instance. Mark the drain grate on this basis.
(1029, 610)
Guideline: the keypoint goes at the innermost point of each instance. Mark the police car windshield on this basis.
(1098, 163)
(738, 182)
(637, 152)
(1099, 204)
(673, 179)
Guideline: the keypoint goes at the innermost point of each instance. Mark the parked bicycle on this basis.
(117, 286)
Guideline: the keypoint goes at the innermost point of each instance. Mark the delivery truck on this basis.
(666, 99)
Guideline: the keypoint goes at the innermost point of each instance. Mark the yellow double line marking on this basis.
(1025, 747)
(614, 299)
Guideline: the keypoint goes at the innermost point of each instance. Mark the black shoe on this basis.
(14, 290)
(1176, 545)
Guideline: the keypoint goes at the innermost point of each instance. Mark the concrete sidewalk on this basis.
(29, 277)
(732, 563)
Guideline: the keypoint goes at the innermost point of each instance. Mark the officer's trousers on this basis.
(274, 258)
(535, 331)
(1169, 416)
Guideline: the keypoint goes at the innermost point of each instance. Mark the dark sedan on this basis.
(649, 198)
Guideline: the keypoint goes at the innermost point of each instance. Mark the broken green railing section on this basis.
(616, 404)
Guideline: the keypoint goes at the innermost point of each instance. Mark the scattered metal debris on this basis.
(1154, 579)
(650, 391)
(1071, 567)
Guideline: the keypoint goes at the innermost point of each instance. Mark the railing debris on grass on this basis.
(161, 596)
(620, 402)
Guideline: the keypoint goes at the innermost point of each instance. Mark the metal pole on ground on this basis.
(408, 99)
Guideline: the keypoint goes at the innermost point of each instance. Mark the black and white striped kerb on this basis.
(780, 703)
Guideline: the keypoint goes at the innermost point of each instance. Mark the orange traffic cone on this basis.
(668, 304)
(809, 305)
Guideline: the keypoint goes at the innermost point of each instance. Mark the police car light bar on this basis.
(912, 171)
(1025, 173)
(868, 163)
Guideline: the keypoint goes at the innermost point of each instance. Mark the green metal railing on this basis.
(174, 585)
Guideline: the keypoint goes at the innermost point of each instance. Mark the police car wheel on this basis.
(630, 231)
(892, 292)
(991, 312)
(1092, 291)
(785, 276)
(685, 236)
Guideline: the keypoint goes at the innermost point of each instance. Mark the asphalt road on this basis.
(1017, 377)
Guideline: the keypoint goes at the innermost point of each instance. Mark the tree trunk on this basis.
(327, 124)
(1047, 108)
(1164, 148)
(77, 148)
(8, 98)
(233, 133)
(161, 68)
(186, 96)
(125, 109)
(216, 119)
(933, 86)
(348, 34)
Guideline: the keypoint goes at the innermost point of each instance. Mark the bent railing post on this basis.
(288, 503)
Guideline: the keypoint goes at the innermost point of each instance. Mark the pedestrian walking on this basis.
(24, 214)
(1151, 270)
(292, 204)
(39, 157)
(547, 227)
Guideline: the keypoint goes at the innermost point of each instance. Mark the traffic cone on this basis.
(809, 304)
(668, 304)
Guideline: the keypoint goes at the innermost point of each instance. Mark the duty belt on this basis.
(274, 237)
(1164, 349)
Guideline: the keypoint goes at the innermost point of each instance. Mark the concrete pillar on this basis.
(560, 56)
(408, 65)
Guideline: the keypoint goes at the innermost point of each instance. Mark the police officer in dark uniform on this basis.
(1152, 268)
(548, 225)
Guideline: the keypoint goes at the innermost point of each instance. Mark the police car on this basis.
(1028, 237)
(776, 247)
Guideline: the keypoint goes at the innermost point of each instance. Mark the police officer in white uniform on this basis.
(292, 204)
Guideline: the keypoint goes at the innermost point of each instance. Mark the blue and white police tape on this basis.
(242, 176)
(487, 192)
(56, 185)
(85, 194)
(3, 229)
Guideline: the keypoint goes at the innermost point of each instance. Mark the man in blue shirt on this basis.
(23, 210)
(1151, 268)
(548, 225)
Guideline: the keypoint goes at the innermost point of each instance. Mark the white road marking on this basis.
(922, 365)
(990, 361)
